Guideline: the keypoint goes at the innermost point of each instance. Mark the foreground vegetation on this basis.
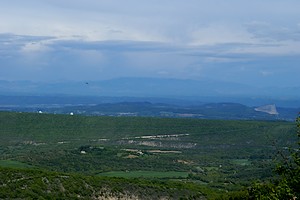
(287, 186)
(38, 184)
(170, 157)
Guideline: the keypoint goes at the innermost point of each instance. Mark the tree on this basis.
(288, 184)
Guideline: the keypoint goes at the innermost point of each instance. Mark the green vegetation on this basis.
(197, 158)
(14, 164)
(287, 185)
(145, 174)
(38, 184)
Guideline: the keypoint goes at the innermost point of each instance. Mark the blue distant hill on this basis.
(199, 90)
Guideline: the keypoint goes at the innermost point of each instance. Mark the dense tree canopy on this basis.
(287, 186)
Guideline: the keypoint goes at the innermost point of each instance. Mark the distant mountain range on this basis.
(188, 90)
(228, 111)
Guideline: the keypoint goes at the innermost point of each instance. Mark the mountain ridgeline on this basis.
(203, 90)
(147, 109)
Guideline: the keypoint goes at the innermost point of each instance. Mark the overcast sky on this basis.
(252, 42)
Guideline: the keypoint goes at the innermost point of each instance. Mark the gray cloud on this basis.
(275, 32)
(234, 40)
(48, 58)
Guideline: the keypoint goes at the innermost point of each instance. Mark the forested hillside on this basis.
(168, 157)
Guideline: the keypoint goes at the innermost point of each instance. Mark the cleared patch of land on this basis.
(242, 162)
(160, 151)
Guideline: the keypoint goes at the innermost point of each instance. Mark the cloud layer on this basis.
(256, 42)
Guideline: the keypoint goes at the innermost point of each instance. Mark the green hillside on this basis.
(212, 156)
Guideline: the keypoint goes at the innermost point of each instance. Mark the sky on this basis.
(250, 42)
